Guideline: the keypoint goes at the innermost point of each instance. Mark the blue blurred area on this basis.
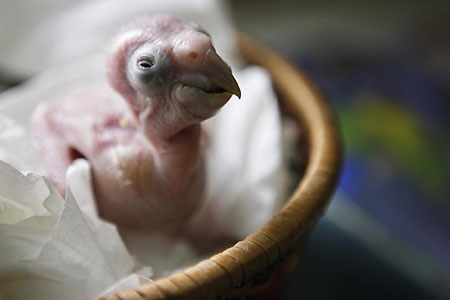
(394, 121)
(385, 68)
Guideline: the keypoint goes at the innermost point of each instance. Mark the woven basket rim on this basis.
(236, 265)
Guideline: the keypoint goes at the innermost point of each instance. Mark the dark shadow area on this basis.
(335, 265)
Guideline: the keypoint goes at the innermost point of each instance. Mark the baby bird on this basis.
(143, 140)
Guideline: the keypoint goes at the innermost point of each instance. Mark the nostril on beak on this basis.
(193, 55)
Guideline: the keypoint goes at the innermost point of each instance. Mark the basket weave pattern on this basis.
(246, 268)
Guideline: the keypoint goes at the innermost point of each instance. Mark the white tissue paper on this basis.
(50, 248)
(56, 249)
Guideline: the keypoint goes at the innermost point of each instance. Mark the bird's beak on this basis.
(205, 90)
(220, 75)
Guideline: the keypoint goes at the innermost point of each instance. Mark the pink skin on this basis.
(146, 152)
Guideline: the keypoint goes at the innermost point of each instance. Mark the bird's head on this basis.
(162, 62)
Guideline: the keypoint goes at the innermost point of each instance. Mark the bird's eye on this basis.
(145, 63)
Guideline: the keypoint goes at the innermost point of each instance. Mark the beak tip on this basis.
(238, 93)
(235, 88)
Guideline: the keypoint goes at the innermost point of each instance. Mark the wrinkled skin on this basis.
(143, 140)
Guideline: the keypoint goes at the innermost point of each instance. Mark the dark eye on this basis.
(145, 63)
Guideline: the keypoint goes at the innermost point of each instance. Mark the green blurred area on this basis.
(378, 127)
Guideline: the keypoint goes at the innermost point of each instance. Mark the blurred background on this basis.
(384, 66)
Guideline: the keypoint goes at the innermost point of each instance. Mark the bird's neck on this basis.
(165, 125)
(174, 137)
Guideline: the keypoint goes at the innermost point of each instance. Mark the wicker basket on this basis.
(246, 268)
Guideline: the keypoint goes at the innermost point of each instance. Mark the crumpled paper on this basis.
(60, 249)
(49, 249)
